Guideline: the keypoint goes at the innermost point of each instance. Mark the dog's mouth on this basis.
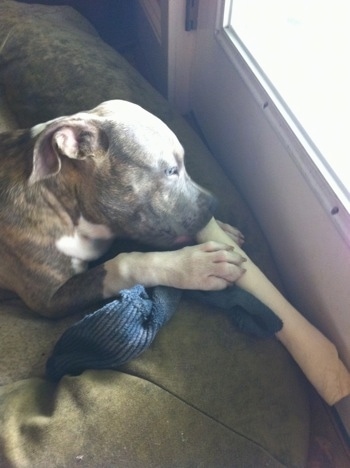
(172, 229)
(184, 240)
(186, 233)
(167, 239)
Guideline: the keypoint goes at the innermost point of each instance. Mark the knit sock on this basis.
(114, 334)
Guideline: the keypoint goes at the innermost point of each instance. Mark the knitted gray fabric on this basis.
(124, 328)
(114, 334)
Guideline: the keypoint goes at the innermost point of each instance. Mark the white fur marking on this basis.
(88, 242)
(78, 265)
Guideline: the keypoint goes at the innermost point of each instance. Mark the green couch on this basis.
(203, 394)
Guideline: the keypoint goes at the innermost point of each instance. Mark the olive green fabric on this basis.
(106, 419)
(203, 394)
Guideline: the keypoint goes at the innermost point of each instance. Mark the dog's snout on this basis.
(208, 201)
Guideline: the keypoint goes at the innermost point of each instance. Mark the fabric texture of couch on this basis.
(204, 393)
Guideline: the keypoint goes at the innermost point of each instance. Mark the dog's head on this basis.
(128, 171)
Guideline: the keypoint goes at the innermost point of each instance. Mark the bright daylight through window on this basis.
(303, 48)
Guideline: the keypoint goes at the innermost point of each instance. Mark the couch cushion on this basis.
(202, 393)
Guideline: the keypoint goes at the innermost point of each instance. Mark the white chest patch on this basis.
(88, 242)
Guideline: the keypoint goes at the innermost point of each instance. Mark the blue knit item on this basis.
(124, 328)
(114, 334)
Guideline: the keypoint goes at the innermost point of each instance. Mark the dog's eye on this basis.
(171, 171)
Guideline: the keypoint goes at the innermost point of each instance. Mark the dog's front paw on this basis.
(208, 266)
(232, 232)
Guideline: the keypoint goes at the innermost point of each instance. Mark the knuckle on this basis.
(222, 256)
(237, 258)
(209, 245)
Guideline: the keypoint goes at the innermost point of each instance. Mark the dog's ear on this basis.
(72, 139)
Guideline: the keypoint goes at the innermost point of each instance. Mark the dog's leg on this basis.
(315, 354)
(208, 266)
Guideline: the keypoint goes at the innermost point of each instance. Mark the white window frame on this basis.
(318, 174)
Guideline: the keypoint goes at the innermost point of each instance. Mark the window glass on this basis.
(303, 47)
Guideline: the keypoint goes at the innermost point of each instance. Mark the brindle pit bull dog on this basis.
(71, 186)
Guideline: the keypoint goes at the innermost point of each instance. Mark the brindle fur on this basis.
(52, 63)
(111, 180)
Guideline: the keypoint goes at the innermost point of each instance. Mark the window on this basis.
(299, 50)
